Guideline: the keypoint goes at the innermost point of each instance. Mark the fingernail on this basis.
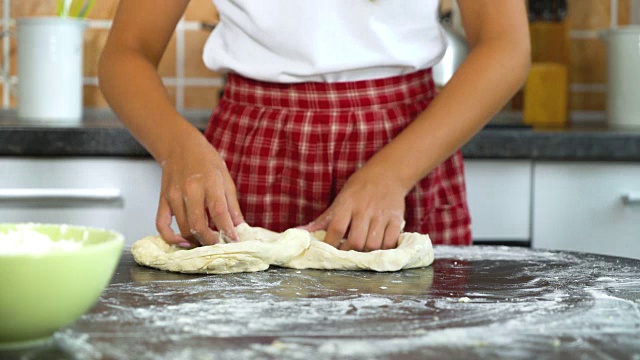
(186, 245)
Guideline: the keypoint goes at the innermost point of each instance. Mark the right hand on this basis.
(198, 191)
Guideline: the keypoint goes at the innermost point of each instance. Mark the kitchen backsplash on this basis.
(193, 86)
(189, 83)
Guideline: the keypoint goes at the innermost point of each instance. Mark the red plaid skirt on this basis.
(291, 147)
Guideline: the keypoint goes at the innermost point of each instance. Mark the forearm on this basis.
(134, 90)
(491, 74)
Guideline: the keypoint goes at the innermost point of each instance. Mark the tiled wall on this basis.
(193, 86)
(189, 82)
(589, 54)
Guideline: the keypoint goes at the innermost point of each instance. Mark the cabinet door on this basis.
(499, 195)
(592, 207)
(119, 194)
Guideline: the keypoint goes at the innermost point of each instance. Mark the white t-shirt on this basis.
(324, 40)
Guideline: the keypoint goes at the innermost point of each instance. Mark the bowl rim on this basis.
(115, 239)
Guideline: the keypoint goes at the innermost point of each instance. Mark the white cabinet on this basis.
(499, 195)
(592, 207)
(569, 206)
(119, 194)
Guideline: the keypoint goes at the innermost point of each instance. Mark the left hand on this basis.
(371, 207)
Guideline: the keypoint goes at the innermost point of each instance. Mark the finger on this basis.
(163, 223)
(234, 208)
(391, 234)
(176, 204)
(219, 213)
(320, 223)
(357, 234)
(337, 227)
(195, 212)
(222, 220)
(375, 235)
(231, 195)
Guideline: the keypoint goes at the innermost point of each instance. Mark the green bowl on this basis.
(40, 293)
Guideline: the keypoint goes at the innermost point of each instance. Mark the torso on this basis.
(292, 41)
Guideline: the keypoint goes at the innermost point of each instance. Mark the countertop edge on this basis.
(113, 140)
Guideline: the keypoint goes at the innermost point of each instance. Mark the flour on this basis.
(79, 343)
(495, 253)
(26, 241)
(547, 301)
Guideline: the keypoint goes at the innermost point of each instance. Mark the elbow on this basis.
(516, 52)
(111, 61)
(104, 67)
(511, 56)
(523, 63)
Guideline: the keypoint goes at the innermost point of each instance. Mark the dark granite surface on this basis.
(101, 134)
(473, 303)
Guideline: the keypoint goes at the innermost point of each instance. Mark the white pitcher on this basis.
(50, 68)
(623, 69)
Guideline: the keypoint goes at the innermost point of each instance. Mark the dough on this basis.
(259, 248)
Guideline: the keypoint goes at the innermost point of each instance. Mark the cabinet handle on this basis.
(61, 194)
(632, 198)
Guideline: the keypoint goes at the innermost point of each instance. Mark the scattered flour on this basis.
(558, 303)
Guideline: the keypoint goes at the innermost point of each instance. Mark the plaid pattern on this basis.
(291, 147)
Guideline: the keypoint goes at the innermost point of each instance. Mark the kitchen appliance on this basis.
(623, 70)
(457, 49)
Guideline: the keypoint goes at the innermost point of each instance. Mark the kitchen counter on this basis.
(101, 134)
(474, 302)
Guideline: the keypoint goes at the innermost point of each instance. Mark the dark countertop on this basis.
(101, 134)
(474, 302)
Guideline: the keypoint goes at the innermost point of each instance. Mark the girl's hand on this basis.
(370, 207)
(198, 190)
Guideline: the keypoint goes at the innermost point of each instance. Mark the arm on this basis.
(372, 201)
(497, 66)
(194, 176)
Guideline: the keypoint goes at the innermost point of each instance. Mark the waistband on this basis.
(376, 93)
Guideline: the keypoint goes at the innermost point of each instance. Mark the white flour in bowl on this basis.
(25, 241)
